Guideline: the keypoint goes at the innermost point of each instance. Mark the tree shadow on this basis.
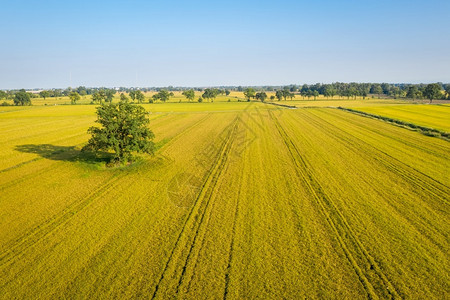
(65, 153)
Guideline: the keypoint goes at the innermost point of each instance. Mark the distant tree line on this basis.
(385, 90)
(338, 89)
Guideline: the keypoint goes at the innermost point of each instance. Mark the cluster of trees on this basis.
(349, 90)
(284, 93)
(208, 94)
(211, 94)
(81, 90)
(162, 95)
(189, 94)
(250, 93)
(353, 90)
(22, 98)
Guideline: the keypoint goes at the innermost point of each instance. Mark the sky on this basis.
(57, 44)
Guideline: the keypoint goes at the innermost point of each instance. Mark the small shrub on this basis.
(431, 133)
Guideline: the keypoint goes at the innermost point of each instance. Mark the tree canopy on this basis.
(249, 93)
(432, 91)
(279, 95)
(99, 96)
(109, 95)
(139, 96)
(74, 97)
(44, 94)
(262, 96)
(210, 94)
(132, 95)
(123, 130)
(163, 95)
(447, 90)
(189, 94)
(22, 98)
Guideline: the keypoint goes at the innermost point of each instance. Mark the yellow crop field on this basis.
(433, 116)
(241, 200)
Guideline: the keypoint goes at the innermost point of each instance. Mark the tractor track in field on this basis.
(20, 164)
(23, 178)
(339, 135)
(233, 230)
(194, 220)
(334, 219)
(58, 130)
(400, 123)
(408, 173)
(31, 175)
(231, 249)
(45, 228)
(40, 231)
(361, 124)
(142, 216)
(239, 142)
(54, 166)
(202, 224)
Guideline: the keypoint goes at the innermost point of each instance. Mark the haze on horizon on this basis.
(55, 44)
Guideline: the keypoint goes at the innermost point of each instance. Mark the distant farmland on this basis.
(241, 200)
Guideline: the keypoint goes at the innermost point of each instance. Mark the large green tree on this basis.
(261, 96)
(432, 91)
(376, 89)
(329, 92)
(413, 92)
(109, 95)
(140, 96)
(132, 95)
(189, 94)
(124, 129)
(447, 90)
(22, 98)
(44, 94)
(99, 96)
(123, 97)
(210, 94)
(3, 94)
(315, 94)
(163, 95)
(74, 97)
(279, 95)
(249, 93)
(286, 92)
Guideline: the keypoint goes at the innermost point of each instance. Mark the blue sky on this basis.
(47, 44)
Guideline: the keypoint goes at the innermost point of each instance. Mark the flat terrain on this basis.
(241, 200)
(433, 116)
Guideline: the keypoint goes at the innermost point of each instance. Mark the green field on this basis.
(241, 200)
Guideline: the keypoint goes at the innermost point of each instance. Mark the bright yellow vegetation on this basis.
(433, 116)
(241, 200)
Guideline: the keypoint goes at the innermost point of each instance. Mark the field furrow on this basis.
(42, 229)
(375, 196)
(241, 200)
(189, 233)
(339, 225)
